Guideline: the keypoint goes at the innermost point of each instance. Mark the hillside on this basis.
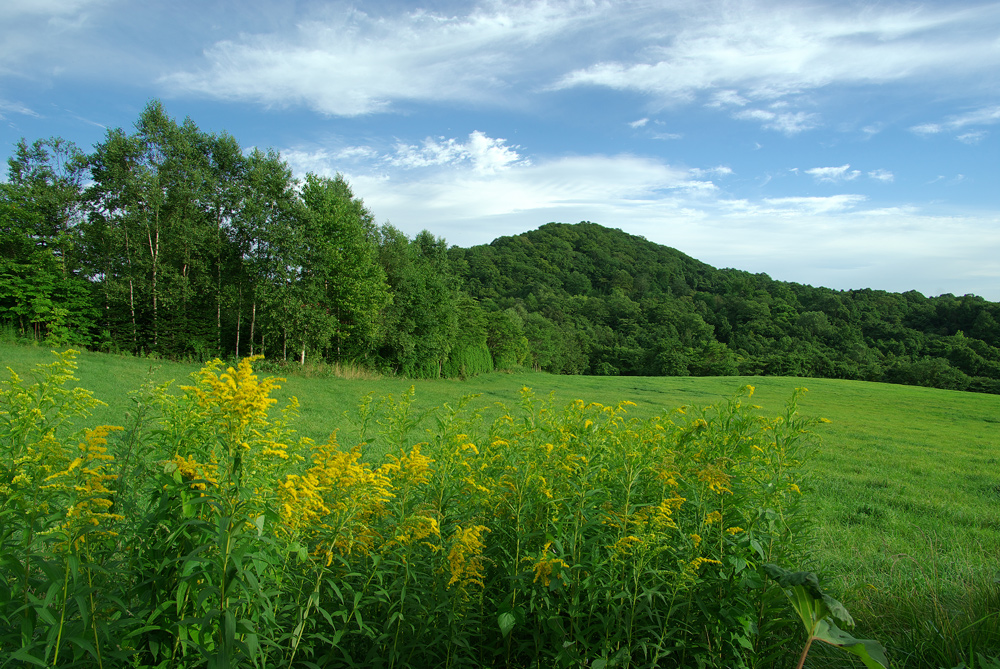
(594, 300)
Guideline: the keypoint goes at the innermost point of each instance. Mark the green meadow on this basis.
(904, 482)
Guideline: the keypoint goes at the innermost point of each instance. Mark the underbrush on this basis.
(206, 532)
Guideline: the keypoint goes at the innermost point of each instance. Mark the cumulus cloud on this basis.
(486, 154)
(833, 174)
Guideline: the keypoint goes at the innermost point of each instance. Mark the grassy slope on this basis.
(906, 481)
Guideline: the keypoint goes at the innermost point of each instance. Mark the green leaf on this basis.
(870, 652)
(506, 622)
(24, 655)
(820, 613)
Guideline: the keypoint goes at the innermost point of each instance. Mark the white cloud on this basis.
(812, 205)
(719, 171)
(15, 108)
(640, 123)
(983, 116)
(12, 9)
(728, 98)
(355, 63)
(34, 32)
(833, 174)
(872, 130)
(730, 55)
(768, 51)
(885, 176)
(972, 137)
(487, 155)
(790, 123)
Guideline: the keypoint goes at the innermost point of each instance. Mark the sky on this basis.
(842, 144)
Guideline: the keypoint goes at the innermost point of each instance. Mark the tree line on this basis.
(172, 241)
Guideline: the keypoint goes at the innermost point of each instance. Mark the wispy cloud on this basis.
(814, 205)
(34, 31)
(352, 62)
(355, 63)
(11, 9)
(972, 137)
(983, 116)
(15, 108)
(833, 174)
(719, 171)
(733, 55)
(790, 123)
(885, 176)
(640, 123)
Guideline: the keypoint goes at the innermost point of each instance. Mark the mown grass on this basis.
(905, 483)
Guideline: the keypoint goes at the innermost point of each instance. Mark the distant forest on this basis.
(171, 241)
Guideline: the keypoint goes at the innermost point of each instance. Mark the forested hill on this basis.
(595, 300)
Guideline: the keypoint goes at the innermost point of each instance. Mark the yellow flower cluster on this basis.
(717, 480)
(415, 529)
(547, 564)
(694, 565)
(82, 482)
(465, 558)
(236, 392)
(337, 501)
(192, 470)
(408, 469)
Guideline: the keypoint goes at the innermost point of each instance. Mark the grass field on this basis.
(905, 483)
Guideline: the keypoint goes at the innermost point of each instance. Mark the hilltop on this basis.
(596, 300)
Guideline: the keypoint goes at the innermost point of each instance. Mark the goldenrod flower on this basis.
(465, 559)
(546, 565)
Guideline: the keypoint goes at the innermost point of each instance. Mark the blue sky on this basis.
(841, 144)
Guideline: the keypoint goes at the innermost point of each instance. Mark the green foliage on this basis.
(343, 284)
(212, 535)
(821, 615)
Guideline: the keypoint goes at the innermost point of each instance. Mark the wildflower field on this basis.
(205, 531)
(898, 516)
